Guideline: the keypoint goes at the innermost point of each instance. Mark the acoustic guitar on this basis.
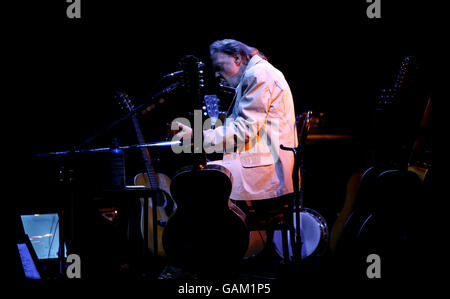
(214, 109)
(165, 206)
(204, 233)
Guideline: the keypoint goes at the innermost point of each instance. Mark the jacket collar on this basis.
(254, 60)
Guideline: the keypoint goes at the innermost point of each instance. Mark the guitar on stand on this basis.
(378, 212)
(356, 198)
(165, 206)
(204, 233)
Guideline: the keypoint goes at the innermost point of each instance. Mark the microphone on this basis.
(227, 89)
(173, 74)
(159, 95)
(199, 64)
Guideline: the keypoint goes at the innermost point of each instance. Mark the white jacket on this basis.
(262, 118)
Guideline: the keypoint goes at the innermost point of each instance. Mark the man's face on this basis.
(228, 67)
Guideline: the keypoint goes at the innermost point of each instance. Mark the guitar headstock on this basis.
(192, 79)
(124, 101)
(388, 96)
(212, 103)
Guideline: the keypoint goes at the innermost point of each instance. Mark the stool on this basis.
(277, 213)
(270, 215)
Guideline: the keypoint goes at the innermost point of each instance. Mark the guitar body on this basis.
(152, 180)
(352, 189)
(257, 239)
(390, 156)
(164, 209)
(204, 233)
(384, 221)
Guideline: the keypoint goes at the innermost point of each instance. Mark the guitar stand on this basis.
(145, 193)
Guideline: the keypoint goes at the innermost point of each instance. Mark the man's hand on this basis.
(184, 132)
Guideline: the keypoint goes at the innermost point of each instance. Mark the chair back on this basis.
(303, 123)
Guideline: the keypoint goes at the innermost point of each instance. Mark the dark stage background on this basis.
(66, 71)
(335, 59)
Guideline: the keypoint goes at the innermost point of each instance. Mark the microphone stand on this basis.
(107, 149)
(108, 127)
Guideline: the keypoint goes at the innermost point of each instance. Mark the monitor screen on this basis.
(43, 231)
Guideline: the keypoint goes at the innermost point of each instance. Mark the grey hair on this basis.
(231, 47)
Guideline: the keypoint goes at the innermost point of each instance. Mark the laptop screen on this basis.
(43, 231)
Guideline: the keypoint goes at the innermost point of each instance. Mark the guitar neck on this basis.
(152, 178)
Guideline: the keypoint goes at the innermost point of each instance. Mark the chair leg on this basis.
(292, 243)
(284, 237)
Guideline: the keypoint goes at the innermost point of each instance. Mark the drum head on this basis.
(310, 233)
(313, 231)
